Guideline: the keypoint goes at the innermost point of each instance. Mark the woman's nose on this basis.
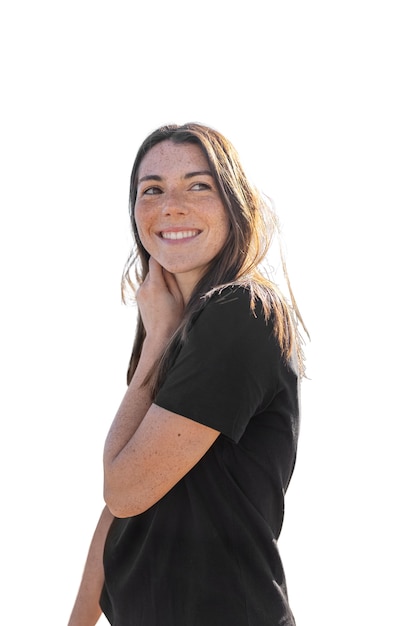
(172, 203)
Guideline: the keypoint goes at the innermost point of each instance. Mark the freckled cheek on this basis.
(142, 221)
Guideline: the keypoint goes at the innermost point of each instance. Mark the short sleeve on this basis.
(228, 368)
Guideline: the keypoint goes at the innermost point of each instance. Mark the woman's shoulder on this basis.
(241, 303)
(228, 301)
(256, 312)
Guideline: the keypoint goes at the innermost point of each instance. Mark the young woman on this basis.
(203, 446)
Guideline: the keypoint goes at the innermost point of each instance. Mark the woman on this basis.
(203, 446)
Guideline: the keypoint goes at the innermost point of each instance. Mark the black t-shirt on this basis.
(206, 553)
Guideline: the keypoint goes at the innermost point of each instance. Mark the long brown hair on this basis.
(253, 224)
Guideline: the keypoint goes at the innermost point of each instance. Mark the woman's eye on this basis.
(200, 186)
(151, 191)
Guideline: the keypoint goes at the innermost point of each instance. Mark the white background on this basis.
(320, 100)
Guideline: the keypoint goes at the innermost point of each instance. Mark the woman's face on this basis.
(179, 214)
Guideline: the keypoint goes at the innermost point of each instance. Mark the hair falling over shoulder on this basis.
(253, 227)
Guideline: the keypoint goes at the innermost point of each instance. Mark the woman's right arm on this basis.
(87, 611)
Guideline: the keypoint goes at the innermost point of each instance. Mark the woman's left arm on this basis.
(149, 449)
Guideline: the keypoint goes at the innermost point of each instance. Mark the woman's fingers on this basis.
(162, 278)
(155, 271)
(160, 301)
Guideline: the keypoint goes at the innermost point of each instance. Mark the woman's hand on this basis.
(160, 302)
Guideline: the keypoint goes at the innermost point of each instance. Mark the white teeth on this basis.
(183, 234)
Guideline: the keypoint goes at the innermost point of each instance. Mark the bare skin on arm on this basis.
(87, 611)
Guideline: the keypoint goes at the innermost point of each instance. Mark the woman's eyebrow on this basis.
(188, 175)
(200, 173)
(150, 177)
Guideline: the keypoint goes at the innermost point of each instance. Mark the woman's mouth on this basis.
(179, 234)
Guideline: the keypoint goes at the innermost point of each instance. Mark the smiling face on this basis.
(179, 214)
